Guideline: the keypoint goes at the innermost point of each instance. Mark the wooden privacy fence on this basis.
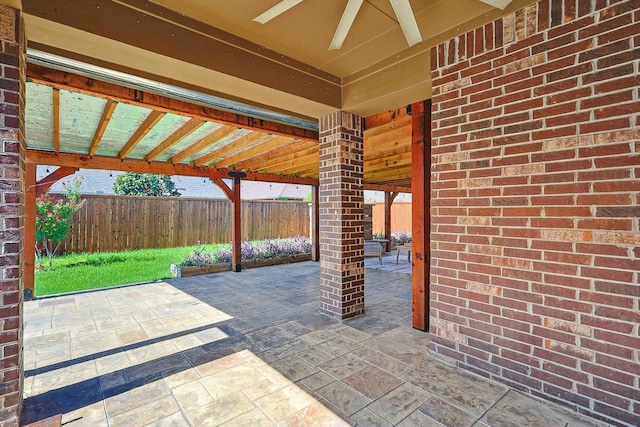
(400, 217)
(116, 223)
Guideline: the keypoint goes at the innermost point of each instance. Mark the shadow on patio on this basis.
(252, 349)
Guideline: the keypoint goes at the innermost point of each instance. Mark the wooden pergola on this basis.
(176, 137)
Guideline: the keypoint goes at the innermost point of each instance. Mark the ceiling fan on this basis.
(402, 9)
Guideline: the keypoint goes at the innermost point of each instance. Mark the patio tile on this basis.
(130, 396)
(224, 408)
(254, 418)
(314, 356)
(338, 346)
(446, 414)
(398, 404)
(417, 419)
(317, 380)
(175, 420)
(177, 345)
(318, 336)
(192, 395)
(61, 400)
(343, 397)
(146, 414)
(468, 391)
(516, 409)
(64, 376)
(384, 361)
(112, 380)
(396, 350)
(177, 379)
(218, 365)
(261, 389)
(231, 380)
(156, 368)
(343, 366)
(92, 415)
(286, 350)
(284, 403)
(129, 336)
(373, 382)
(367, 418)
(294, 368)
(316, 415)
(112, 362)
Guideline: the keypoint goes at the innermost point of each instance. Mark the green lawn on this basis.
(78, 272)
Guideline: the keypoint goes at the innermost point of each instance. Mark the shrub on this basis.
(400, 238)
(144, 184)
(261, 249)
(53, 219)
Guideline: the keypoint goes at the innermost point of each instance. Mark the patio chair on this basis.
(373, 249)
(403, 248)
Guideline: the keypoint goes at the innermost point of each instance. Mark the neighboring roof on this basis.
(101, 182)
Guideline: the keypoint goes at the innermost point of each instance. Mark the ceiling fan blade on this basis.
(276, 10)
(500, 4)
(346, 21)
(407, 21)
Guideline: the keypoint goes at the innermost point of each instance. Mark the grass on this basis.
(79, 272)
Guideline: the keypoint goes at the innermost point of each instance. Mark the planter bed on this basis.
(254, 263)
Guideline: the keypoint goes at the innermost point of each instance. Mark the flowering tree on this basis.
(53, 218)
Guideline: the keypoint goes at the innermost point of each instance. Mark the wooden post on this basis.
(29, 250)
(389, 197)
(421, 225)
(236, 222)
(315, 223)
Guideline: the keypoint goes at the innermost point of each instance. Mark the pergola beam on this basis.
(383, 187)
(133, 165)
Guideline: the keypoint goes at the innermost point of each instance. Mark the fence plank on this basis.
(400, 217)
(109, 223)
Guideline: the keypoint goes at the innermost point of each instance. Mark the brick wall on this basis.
(535, 211)
(12, 63)
(341, 207)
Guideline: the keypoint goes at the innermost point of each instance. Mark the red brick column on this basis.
(341, 215)
(12, 78)
(536, 204)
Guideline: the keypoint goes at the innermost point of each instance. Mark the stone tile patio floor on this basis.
(252, 349)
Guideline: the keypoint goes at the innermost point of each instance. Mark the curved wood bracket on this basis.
(45, 183)
(224, 187)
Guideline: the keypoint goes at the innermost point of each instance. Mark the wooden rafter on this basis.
(75, 82)
(204, 143)
(250, 152)
(390, 172)
(109, 108)
(387, 117)
(280, 156)
(228, 148)
(56, 119)
(177, 136)
(152, 119)
(386, 161)
(164, 168)
(310, 161)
